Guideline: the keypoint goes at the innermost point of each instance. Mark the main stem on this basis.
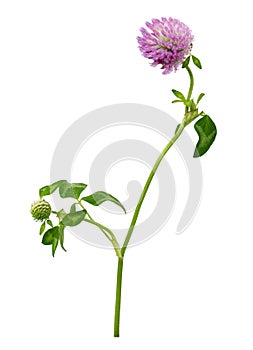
(146, 187)
(118, 297)
(191, 83)
(130, 231)
(178, 132)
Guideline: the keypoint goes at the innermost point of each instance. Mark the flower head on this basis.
(40, 210)
(168, 43)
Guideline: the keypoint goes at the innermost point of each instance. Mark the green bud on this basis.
(40, 210)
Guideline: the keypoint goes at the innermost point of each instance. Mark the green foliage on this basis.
(53, 236)
(47, 190)
(175, 101)
(71, 190)
(61, 236)
(54, 246)
(66, 189)
(200, 97)
(186, 62)
(73, 219)
(207, 131)
(73, 208)
(178, 94)
(197, 62)
(42, 227)
(100, 197)
(49, 222)
(50, 235)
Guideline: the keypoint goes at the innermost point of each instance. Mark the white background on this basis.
(62, 59)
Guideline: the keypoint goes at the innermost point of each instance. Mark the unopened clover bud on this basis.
(40, 210)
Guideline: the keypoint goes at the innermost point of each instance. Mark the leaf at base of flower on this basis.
(42, 227)
(186, 62)
(197, 62)
(49, 222)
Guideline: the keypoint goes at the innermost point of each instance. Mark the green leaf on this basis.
(186, 62)
(197, 62)
(50, 235)
(49, 222)
(42, 227)
(178, 94)
(73, 208)
(61, 231)
(54, 245)
(46, 190)
(175, 101)
(72, 190)
(100, 197)
(61, 214)
(200, 97)
(207, 131)
(73, 219)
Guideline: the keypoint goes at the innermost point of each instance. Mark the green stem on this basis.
(118, 297)
(138, 207)
(130, 231)
(106, 230)
(146, 187)
(191, 83)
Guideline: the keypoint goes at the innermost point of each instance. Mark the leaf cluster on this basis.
(77, 213)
